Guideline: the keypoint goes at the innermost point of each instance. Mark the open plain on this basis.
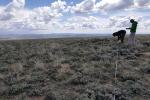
(74, 69)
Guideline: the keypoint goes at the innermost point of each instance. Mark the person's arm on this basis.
(128, 28)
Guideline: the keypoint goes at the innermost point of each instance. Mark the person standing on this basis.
(131, 40)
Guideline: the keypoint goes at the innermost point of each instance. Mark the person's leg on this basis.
(134, 39)
(118, 38)
(131, 40)
(122, 38)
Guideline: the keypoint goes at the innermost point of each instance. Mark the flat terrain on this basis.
(74, 69)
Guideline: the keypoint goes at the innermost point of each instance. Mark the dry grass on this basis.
(16, 68)
(40, 65)
(74, 69)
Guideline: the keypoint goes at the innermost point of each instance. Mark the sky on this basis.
(72, 16)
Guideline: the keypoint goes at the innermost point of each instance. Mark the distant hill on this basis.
(41, 36)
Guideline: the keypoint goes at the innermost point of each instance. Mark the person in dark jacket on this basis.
(120, 34)
(133, 28)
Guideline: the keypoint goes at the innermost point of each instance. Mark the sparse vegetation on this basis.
(74, 69)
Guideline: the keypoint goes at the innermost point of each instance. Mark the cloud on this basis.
(15, 5)
(109, 5)
(11, 10)
(146, 24)
(59, 5)
(52, 18)
(117, 5)
(1, 9)
(119, 21)
(122, 21)
(141, 3)
(84, 7)
(86, 23)
(45, 14)
(17, 17)
(41, 17)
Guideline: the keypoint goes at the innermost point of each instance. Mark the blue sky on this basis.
(4, 2)
(73, 16)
